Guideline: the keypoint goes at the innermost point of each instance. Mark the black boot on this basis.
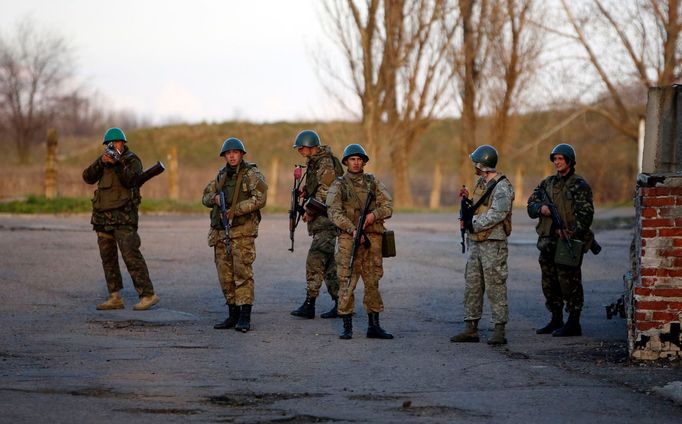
(244, 323)
(572, 327)
(347, 327)
(374, 330)
(556, 323)
(333, 312)
(231, 320)
(307, 310)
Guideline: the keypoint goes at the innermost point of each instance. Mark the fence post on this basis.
(51, 164)
(173, 187)
(273, 179)
(520, 199)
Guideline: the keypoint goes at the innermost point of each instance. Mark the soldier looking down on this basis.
(488, 224)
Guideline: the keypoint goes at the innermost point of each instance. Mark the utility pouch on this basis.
(388, 244)
(315, 207)
(569, 256)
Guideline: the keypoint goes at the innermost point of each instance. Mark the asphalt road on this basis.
(61, 360)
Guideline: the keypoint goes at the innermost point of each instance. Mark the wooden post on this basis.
(173, 187)
(520, 198)
(434, 200)
(51, 165)
(273, 179)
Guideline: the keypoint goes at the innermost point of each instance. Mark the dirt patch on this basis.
(375, 398)
(301, 419)
(245, 400)
(130, 323)
(441, 412)
(162, 411)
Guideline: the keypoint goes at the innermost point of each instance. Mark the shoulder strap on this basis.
(487, 193)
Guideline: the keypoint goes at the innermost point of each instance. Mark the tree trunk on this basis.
(51, 165)
(173, 189)
(402, 196)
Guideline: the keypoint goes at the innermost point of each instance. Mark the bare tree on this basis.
(628, 44)
(35, 68)
(396, 52)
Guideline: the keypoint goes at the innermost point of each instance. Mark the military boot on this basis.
(231, 320)
(307, 310)
(347, 327)
(333, 312)
(556, 323)
(146, 302)
(374, 330)
(244, 323)
(469, 335)
(498, 337)
(113, 302)
(571, 328)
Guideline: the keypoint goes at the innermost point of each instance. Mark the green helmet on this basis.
(354, 150)
(232, 144)
(484, 158)
(307, 138)
(114, 134)
(566, 150)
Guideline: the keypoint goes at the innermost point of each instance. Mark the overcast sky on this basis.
(195, 60)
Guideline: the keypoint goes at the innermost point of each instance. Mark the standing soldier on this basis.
(244, 191)
(322, 168)
(571, 197)
(488, 224)
(115, 217)
(345, 200)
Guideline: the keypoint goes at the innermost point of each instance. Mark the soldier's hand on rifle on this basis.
(463, 192)
(216, 199)
(565, 234)
(107, 159)
(369, 220)
(307, 217)
(544, 210)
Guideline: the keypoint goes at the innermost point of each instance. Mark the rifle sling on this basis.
(487, 194)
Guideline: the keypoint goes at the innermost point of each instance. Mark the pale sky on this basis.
(195, 60)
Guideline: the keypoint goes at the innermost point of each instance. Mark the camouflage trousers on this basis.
(368, 265)
(125, 238)
(486, 270)
(560, 284)
(235, 272)
(321, 265)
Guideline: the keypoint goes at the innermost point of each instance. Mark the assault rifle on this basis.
(296, 209)
(359, 235)
(557, 222)
(465, 212)
(150, 173)
(225, 220)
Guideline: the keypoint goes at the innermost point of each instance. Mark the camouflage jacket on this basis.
(491, 217)
(321, 173)
(347, 196)
(252, 196)
(123, 175)
(573, 198)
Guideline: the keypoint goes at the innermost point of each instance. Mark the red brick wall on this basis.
(654, 321)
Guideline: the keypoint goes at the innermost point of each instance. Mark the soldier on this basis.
(572, 196)
(488, 224)
(322, 168)
(115, 218)
(345, 201)
(244, 191)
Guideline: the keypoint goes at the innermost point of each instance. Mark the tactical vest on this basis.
(311, 182)
(110, 193)
(227, 185)
(560, 192)
(354, 200)
(479, 191)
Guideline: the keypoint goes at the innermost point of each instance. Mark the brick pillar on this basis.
(654, 301)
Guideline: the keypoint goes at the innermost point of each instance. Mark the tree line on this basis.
(407, 63)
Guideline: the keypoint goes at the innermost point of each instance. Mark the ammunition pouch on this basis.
(315, 207)
(569, 256)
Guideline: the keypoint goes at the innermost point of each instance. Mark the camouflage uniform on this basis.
(486, 268)
(320, 263)
(345, 201)
(115, 218)
(235, 272)
(573, 198)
